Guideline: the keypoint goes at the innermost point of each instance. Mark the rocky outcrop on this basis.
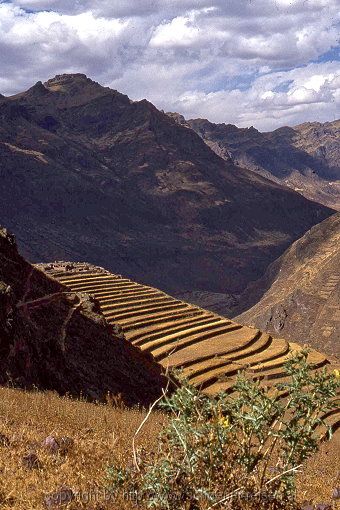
(54, 339)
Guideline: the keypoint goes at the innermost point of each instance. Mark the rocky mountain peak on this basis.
(177, 117)
(37, 90)
(64, 79)
(69, 82)
(63, 91)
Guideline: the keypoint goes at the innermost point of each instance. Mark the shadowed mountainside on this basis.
(299, 295)
(87, 174)
(222, 304)
(305, 157)
(55, 339)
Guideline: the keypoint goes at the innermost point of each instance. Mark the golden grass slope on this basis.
(101, 435)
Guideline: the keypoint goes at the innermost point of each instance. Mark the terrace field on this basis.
(208, 348)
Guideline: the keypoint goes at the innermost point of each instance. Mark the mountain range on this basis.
(304, 157)
(88, 174)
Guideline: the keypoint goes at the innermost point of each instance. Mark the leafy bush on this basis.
(233, 451)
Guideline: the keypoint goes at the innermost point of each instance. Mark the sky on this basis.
(261, 63)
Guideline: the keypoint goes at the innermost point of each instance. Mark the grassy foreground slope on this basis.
(100, 434)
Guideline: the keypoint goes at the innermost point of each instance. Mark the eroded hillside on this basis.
(55, 339)
(302, 291)
(87, 174)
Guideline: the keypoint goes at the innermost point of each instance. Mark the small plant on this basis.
(239, 451)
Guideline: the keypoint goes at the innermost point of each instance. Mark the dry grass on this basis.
(100, 433)
(321, 474)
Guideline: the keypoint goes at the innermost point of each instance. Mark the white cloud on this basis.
(242, 62)
(307, 99)
(181, 31)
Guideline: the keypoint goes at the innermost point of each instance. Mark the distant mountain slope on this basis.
(220, 303)
(55, 339)
(305, 157)
(87, 174)
(302, 300)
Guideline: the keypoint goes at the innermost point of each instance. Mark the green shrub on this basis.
(233, 451)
